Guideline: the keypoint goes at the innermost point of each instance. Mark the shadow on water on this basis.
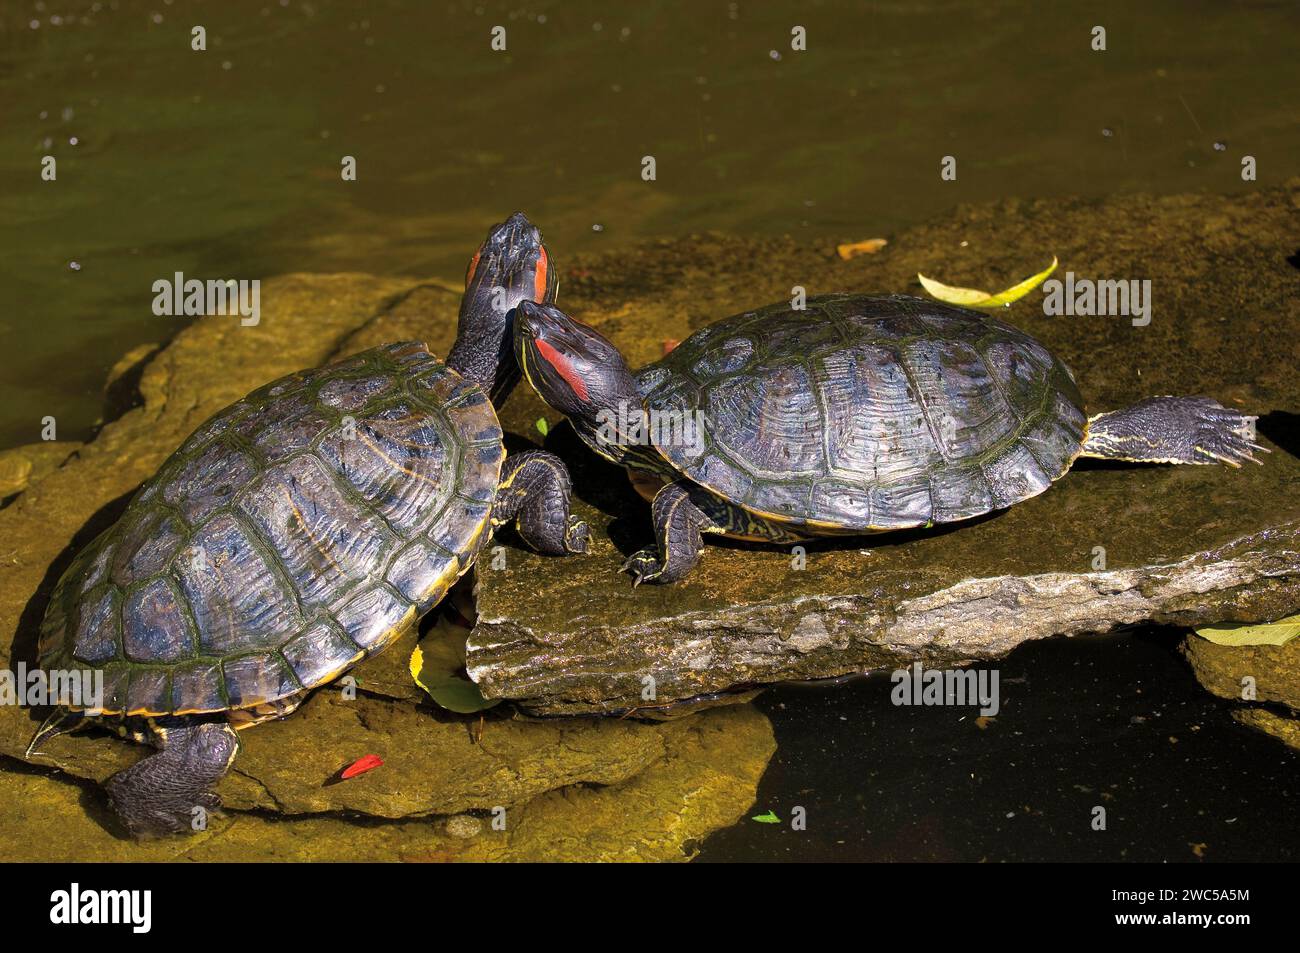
(1283, 428)
(1115, 722)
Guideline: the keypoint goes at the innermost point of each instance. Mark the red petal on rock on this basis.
(361, 766)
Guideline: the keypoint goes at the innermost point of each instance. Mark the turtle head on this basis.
(509, 267)
(578, 372)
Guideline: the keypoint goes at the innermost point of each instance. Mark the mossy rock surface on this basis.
(1183, 545)
(22, 466)
(705, 778)
(1223, 669)
(1272, 672)
(1109, 545)
(1285, 728)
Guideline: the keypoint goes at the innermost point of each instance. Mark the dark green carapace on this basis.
(297, 531)
(861, 414)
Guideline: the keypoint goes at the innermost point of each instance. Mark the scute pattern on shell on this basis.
(868, 413)
(293, 533)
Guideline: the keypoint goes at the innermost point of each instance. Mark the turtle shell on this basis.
(295, 532)
(865, 413)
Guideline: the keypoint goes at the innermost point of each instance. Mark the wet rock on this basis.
(122, 387)
(1285, 728)
(1181, 545)
(432, 765)
(1273, 671)
(706, 779)
(1109, 545)
(1254, 676)
(21, 466)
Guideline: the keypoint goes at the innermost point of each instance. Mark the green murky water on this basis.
(225, 163)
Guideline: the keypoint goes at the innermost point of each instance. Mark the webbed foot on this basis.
(643, 566)
(169, 791)
(577, 536)
(1192, 430)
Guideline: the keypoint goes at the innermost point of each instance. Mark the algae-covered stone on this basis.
(21, 466)
(706, 779)
(1264, 673)
(1282, 727)
(1109, 545)
(1253, 675)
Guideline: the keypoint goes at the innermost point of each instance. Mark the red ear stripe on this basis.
(562, 367)
(539, 277)
(473, 266)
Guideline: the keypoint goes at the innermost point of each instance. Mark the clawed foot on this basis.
(643, 566)
(577, 536)
(1223, 435)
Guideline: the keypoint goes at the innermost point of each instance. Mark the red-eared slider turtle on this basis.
(857, 415)
(296, 532)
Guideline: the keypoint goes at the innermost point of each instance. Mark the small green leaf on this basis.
(971, 298)
(1264, 633)
(543, 427)
(438, 666)
(768, 818)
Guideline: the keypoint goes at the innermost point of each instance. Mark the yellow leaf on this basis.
(417, 665)
(971, 298)
(1265, 633)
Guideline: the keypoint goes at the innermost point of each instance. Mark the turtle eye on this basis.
(473, 266)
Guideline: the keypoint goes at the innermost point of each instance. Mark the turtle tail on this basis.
(60, 721)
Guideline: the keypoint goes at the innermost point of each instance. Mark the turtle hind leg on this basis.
(680, 522)
(1173, 430)
(165, 792)
(534, 491)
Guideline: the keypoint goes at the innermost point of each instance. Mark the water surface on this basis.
(226, 163)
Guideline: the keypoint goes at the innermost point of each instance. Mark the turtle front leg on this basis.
(535, 491)
(159, 795)
(679, 527)
(1173, 430)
